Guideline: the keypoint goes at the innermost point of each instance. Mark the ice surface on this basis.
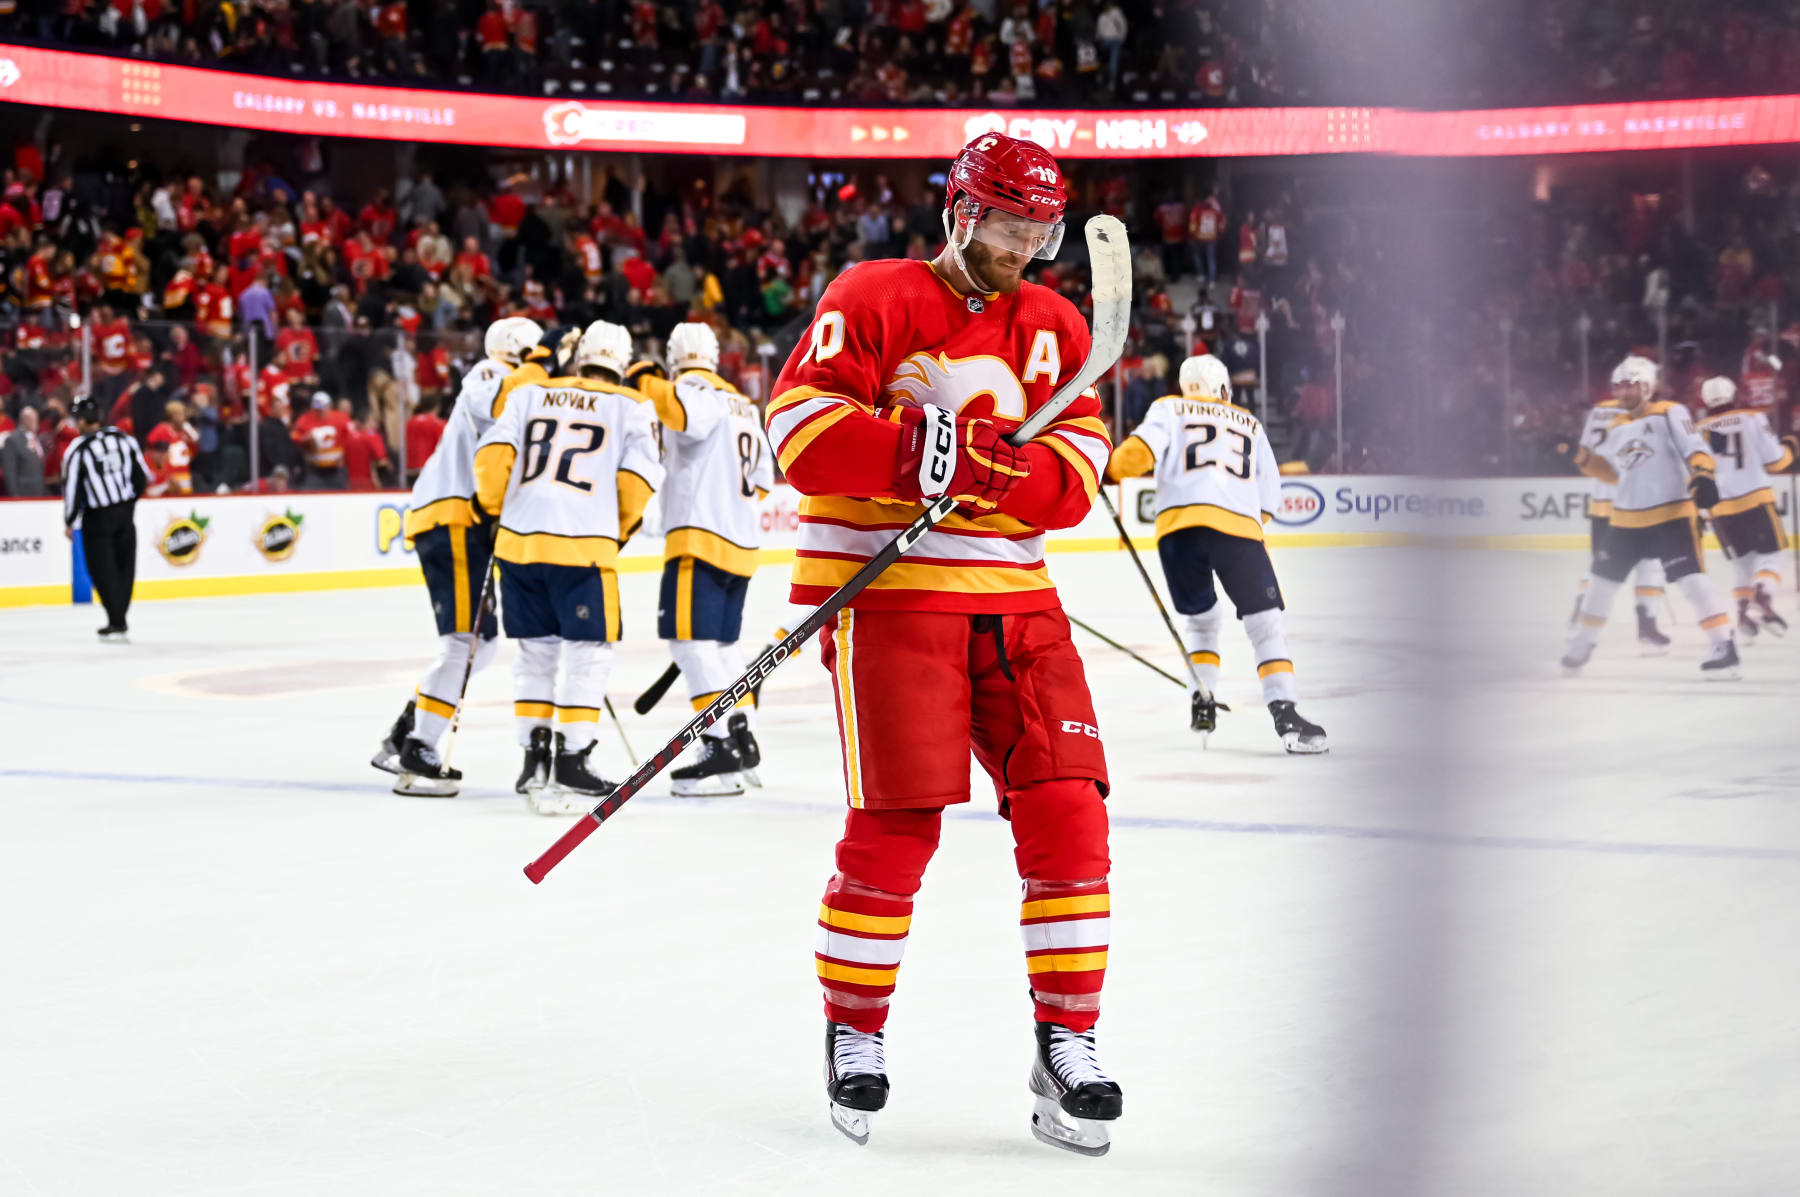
(1516, 934)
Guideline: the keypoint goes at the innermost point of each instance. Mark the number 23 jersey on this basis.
(1214, 466)
(570, 466)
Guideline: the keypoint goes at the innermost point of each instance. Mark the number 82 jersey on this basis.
(569, 466)
(1214, 466)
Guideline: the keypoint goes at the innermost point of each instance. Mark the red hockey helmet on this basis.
(1018, 193)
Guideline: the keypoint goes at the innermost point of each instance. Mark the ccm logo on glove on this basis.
(1077, 728)
(938, 464)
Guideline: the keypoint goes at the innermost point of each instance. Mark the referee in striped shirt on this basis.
(103, 475)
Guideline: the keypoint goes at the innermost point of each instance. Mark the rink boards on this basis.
(209, 545)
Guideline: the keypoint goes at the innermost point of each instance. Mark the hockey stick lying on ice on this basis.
(1168, 620)
(653, 694)
(1097, 634)
(1110, 254)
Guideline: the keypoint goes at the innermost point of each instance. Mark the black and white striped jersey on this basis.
(102, 469)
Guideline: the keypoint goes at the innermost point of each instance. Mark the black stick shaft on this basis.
(1168, 620)
(1099, 635)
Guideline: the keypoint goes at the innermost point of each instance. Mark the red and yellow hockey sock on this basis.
(861, 937)
(1065, 928)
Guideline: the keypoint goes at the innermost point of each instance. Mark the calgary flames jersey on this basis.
(1746, 452)
(1594, 431)
(719, 464)
(446, 484)
(569, 465)
(893, 333)
(1653, 457)
(1214, 466)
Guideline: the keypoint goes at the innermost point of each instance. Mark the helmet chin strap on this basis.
(956, 247)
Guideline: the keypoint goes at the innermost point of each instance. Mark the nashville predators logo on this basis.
(180, 542)
(278, 535)
(1636, 452)
(957, 383)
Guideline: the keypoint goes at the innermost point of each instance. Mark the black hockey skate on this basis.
(749, 752)
(1722, 665)
(855, 1078)
(113, 633)
(387, 757)
(1076, 1099)
(1297, 734)
(1203, 713)
(1771, 622)
(423, 773)
(1746, 626)
(1651, 641)
(1576, 656)
(536, 773)
(717, 774)
(573, 786)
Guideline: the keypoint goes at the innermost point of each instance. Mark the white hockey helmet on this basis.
(509, 340)
(1718, 392)
(693, 346)
(1204, 376)
(605, 345)
(1635, 370)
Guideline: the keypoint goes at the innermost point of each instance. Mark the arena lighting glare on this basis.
(129, 87)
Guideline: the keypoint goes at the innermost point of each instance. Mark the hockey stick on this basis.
(1102, 636)
(1168, 620)
(646, 702)
(607, 699)
(487, 592)
(1110, 254)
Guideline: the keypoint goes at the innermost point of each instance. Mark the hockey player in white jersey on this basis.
(1660, 466)
(454, 557)
(1627, 376)
(1217, 484)
(1746, 451)
(719, 465)
(567, 470)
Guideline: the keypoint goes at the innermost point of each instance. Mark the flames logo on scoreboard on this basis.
(180, 542)
(278, 535)
(9, 72)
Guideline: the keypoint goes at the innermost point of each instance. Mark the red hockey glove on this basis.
(969, 459)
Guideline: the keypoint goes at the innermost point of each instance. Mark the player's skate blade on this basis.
(856, 1081)
(715, 775)
(1075, 1098)
(1722, 666)
(573, 788)
(1298, 735)
(1771, 622)
(423, 773)
(387, 757)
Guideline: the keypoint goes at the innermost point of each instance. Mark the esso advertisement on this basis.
(1301, 504)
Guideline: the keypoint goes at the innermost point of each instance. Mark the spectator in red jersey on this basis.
(1172, 220)
(364, 451)
(379, 218)
(178, 442)
(320, 435)
(1206, 224)
(495, 41)
(213, 306)
(472, 257)
(423, 432)
(296, 347)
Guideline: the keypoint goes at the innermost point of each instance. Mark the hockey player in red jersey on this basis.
(962, 645)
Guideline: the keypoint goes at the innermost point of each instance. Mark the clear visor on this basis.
(1018, 235)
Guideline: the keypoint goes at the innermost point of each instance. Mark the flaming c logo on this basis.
(562, 122)
(9, 72)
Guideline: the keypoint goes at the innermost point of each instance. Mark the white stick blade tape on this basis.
(1109, 255)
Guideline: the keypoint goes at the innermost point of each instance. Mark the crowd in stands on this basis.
(915, 52)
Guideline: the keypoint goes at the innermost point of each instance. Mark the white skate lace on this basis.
(430, 756)
(857, 1053)
(1075, 1058)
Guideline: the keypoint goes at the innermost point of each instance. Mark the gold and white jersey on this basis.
(1745, 452)
(719, 464)
(569, 465)
(1594, 432)
(445, 485)
(1214, 466)
(1654, 455)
